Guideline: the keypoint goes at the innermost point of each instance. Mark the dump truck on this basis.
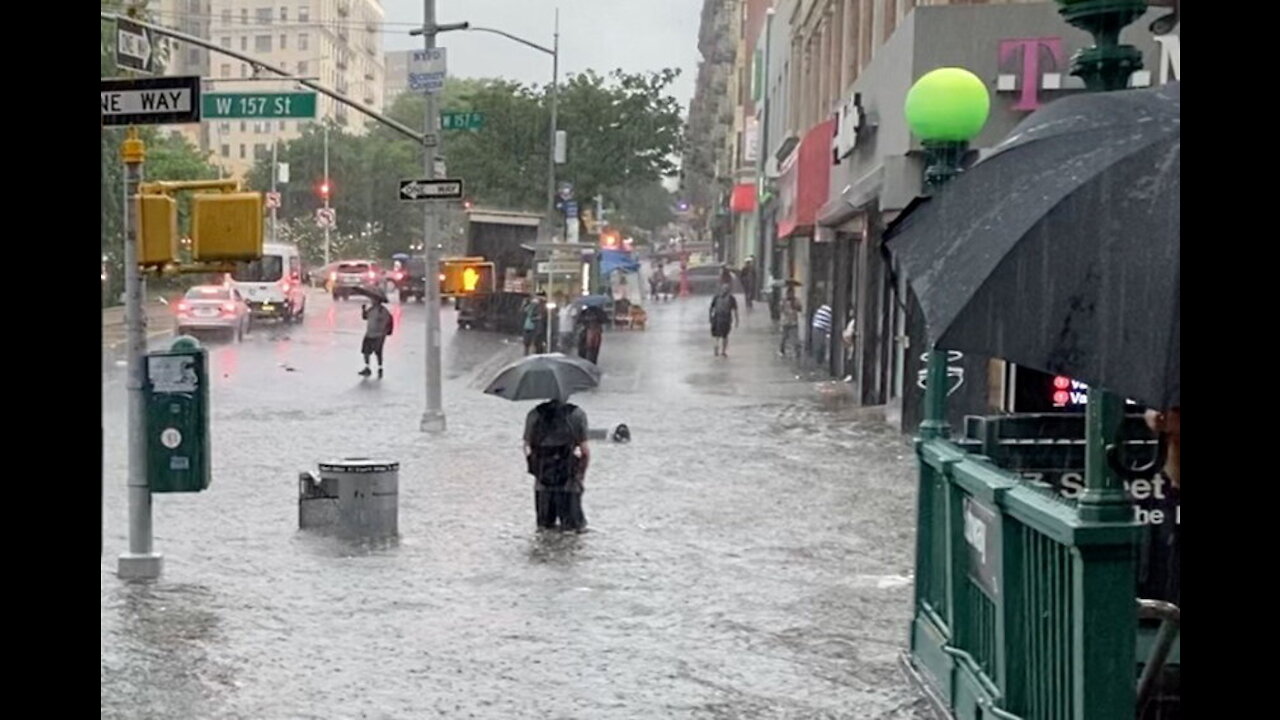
(500, 245)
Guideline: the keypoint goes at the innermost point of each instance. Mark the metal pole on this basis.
(433, 417)
(551, 137)
(766, 239)
(141, 562)
(327, 190)
(275, 174)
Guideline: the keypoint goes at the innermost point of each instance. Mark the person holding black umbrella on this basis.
(378, 327)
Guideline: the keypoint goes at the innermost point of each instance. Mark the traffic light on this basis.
(466, 277)
(157, 230)
(226, 226)
(324, 189)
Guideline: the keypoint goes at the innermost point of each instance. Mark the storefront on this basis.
(802, 190)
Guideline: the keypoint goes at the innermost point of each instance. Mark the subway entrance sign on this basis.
(150, 101)
(272, 106)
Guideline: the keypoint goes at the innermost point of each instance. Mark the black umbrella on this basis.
(1060, 251)
(371, 293)
(551, 376)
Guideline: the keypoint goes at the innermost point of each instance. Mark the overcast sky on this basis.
(634, 35)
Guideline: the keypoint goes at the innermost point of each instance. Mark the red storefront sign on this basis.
(802, 188)
(743, 199)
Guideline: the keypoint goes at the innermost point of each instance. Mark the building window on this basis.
(263, 15)
(226, 70)
(244, 126)
(304, 41)
(244, 70)
(226, 41)
(244, 20)
(241, 151)
(259, 150)
(226, 16)
(262, 43)
(284, 44)
(283, 126)
(244, 43)
(302, 67)
(224, 128)
(226, 151)
(284, 14)
(304, 13)
(193, 56)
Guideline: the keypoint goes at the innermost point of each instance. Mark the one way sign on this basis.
(424, 189)
(133, 46)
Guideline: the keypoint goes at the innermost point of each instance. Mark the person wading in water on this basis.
(724, 316)
(556, 450)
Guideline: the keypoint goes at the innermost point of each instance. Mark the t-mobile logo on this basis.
(1041, 63)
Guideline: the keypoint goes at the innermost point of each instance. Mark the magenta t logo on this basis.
(1030, 80)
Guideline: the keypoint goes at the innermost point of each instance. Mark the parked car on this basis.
(353, 274)
(213, 307)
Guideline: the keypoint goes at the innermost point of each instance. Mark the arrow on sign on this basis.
(133, 46)
(430, 189)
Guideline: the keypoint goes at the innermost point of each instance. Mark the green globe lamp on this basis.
(946, 108)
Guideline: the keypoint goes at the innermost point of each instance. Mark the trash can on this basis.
(352, 497)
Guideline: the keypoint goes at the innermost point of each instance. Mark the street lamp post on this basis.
(946, 108)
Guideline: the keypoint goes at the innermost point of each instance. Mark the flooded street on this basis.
(749, 552)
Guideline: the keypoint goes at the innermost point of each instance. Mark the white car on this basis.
(213, 308)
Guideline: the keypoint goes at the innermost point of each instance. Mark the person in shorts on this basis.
(724, 316)
(378, 326)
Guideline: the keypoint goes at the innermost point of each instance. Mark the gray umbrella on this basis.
(552, 376)
(1060, 251)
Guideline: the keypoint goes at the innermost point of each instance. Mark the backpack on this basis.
(553, 465)
(391, 322)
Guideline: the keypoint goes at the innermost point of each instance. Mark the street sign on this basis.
(461, 120)
(424, 189)
(273, 200)
(282, 172)
(133, 46)
(326, 217)
(237, 106)
(150, 101)
(431, 140)
(427, 70)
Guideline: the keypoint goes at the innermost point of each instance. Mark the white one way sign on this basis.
(150, 101)
(427, 189)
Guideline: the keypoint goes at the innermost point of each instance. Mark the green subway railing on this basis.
(1023, 609)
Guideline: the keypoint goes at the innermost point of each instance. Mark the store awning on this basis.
(743, 199)
(805, 180)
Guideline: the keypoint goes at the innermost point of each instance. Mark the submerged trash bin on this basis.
(353, 497)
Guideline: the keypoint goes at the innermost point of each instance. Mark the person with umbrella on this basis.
(555, 433)
(592, 319)
(378, 327)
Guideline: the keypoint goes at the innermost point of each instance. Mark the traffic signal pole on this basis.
(327, 189)
(433, 417)
(141, 562)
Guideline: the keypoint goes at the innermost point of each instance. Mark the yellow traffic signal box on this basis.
(466, 278)
(226, 226)
(157, 230)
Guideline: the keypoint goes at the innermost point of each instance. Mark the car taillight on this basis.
(333, 276)
(371, 275)
(399, 276)
(228, 307)
(182, 307)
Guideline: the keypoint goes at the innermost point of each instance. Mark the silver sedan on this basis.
(213, 308)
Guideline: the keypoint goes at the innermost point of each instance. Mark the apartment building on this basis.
(191, 17)
(336, 42)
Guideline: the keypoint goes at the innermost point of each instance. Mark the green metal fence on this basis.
(1023, 609)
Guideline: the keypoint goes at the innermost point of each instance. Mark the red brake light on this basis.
(182, 307)
(399, 276)
(333, 275)
(371, 275)
(228, 307)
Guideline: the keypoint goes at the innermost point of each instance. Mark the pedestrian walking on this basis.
(378, 327)
(821, 338)
(533, 324)
(592, 320)
(789, 316)
(557, 454)
(748, 277)
(724, 316)
(848, 336)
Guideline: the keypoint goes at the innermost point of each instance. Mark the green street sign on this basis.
(461, 120)
(239, 106)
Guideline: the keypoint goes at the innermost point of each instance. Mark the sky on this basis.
(635, 35)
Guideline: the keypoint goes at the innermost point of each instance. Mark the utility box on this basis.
(157, 230)
(226, 227)
(177, 418)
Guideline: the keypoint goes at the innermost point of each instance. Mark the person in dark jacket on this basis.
(557, 454)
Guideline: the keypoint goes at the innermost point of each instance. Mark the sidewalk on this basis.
(159, 322)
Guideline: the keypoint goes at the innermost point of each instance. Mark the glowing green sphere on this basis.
(947, 104)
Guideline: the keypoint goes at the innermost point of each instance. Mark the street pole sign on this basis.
(150, 101)
(326, 217)
(241, 106)
(427, 69)
(461, 120)
(133, 47)
(427, 189)
(273, 200)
